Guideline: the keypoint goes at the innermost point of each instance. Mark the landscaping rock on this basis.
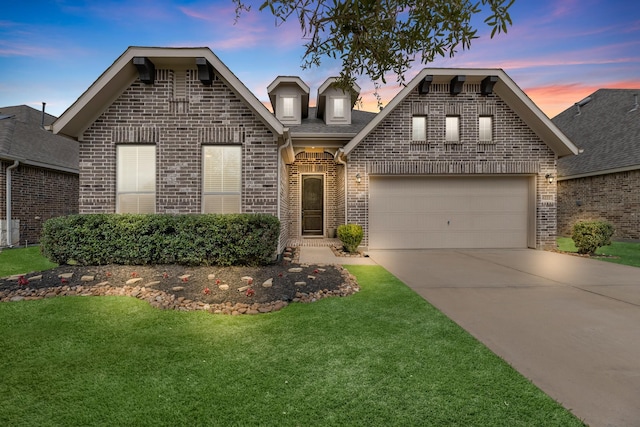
(295, 270)
(133, 281)
(223, 287)
(87, 278)
(268, 283)
(65, 275)
(178, 288)
(211, 276)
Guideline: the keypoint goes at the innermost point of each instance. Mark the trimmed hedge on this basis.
(207, 239)
(350, 235)
(588, 236)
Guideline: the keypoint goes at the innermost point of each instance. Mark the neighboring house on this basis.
(459, 158)
(38, 174)
(603, 182)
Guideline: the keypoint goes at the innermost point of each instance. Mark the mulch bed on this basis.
(225, 290)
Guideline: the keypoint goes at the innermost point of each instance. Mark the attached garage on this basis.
(407, 212)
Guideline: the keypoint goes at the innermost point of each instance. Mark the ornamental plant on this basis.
(588, 236)
(351, 236)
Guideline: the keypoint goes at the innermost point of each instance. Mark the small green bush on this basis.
(208, 239)
(588, 236)
(350, 235)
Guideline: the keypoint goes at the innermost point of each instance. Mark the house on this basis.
(38, 174)
(603, 182)
(459, 158)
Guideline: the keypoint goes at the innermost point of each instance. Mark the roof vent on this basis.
(582, 104)
(635, 104)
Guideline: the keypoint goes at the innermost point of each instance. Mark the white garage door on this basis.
(444, 212)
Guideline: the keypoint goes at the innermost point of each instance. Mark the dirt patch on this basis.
(179, 287)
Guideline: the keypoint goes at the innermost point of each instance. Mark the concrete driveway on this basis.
(571, 325)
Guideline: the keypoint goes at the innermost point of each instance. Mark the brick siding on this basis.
(178, 114)
(515, 150)
(612, 197)
(37, 195)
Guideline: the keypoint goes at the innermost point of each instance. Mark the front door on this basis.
(312, 204)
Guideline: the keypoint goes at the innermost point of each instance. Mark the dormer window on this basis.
(334, 104)
(289, 98)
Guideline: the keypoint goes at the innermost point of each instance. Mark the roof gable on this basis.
(504, 87)
(606, 126)
(112, 83)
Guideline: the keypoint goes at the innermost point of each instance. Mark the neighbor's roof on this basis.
(505, 88)
(22, 138)
(607, 129)
(119, 76)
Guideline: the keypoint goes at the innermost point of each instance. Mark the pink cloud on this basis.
(554, 99)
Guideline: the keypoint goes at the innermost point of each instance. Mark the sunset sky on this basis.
(557, 51)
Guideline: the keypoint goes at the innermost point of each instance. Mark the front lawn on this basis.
(383, 356)
(618, 252)
(23, 260)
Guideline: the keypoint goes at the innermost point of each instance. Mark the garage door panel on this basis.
(443, 212)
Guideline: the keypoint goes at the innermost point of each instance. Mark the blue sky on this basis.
(558, 51)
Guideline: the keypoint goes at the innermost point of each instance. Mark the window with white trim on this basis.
(288, 107)
(452, 129)
(485, 128)
(136, 179)
(338, 107)
(222, 178)
(419, 128)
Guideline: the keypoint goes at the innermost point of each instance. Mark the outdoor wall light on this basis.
(549, 178)
(358, 178)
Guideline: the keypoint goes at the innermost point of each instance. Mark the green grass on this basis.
(381, 357)
(624, 252)
(23, 260)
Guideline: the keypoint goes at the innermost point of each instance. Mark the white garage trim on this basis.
(422, 212)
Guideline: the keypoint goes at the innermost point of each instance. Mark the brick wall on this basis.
(36, 195)
(612, 197)
(178, 114)
(515, 150)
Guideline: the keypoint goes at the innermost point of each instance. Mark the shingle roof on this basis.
(22, 138)
(315, 126)
(606, 129)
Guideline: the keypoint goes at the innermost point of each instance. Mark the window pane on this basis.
(485, 129)
(222, 179)
(419, 132)
(221, 204)
(287, 106)
(452, 129)
(136, 178)
(338, 107)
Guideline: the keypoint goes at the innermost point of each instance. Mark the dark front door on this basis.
(312, 204)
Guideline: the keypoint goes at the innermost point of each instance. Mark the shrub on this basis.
(588, 236)
(350, 235)
(208, 239)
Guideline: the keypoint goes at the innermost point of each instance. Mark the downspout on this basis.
(15, 164)
(338, 159)
(287, 143)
